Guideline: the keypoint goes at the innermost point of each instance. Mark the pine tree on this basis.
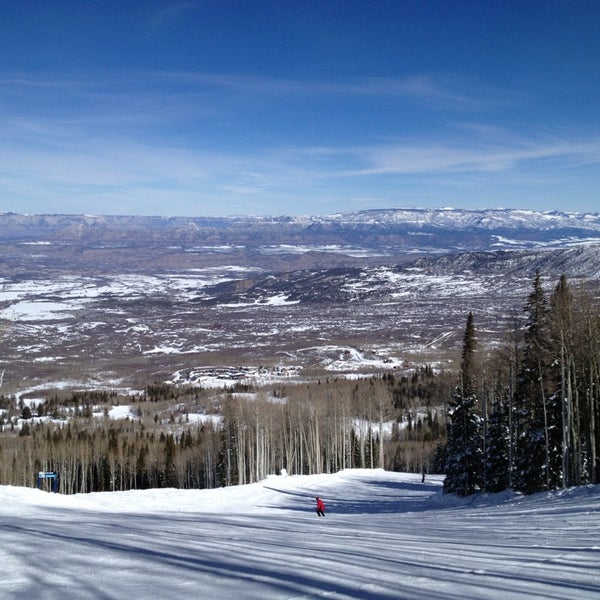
(440, 458)
(533, 414)
(561, 406)
(497, 459)
(227, 465)
(464, 463)
(170, 479)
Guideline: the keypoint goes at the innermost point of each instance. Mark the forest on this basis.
(324, 426)
(522, 414)
(525, 416)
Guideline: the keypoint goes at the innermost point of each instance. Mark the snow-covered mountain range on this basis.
(409, 230)
(497, 218)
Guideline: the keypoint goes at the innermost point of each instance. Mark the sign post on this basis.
(52, 476)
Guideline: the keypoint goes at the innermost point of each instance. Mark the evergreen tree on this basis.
(170, 479)
(497, 461)
(560, 406)
(226, 470)
(464, 463)
(440, 458)
(534, 389)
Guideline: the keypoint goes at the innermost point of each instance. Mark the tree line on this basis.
(526, 415)
(388, 421)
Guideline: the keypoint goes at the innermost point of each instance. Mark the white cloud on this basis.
(467, 156)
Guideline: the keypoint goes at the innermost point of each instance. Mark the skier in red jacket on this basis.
(320, 507)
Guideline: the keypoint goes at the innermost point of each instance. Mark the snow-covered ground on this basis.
(386, 535)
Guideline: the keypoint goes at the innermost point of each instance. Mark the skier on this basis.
(320, 507)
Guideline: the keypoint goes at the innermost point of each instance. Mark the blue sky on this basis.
(286, 107)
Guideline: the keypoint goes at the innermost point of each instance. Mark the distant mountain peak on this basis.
(398, 231)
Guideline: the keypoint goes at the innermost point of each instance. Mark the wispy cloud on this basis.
(424, 88)
(129, 171)
(149, 99)
(171, 13)
(457, 155)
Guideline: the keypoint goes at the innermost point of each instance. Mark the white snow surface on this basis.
(385, 535)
